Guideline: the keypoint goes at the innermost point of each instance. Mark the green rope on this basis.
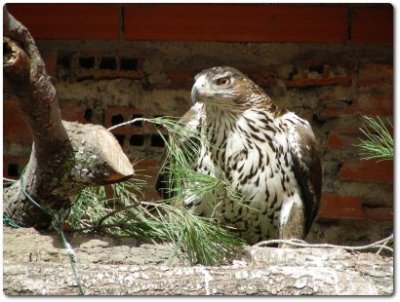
(71, 254)
(57, 225)
(8, 221)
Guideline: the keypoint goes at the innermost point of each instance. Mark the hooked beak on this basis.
(195, 94)
(198, 89)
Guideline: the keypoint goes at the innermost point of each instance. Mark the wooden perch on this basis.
(34, 265)
(66, 156)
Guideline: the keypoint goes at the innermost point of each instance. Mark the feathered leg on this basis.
(291, 220)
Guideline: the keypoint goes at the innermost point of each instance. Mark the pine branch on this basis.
(377, 142)
(124, 214)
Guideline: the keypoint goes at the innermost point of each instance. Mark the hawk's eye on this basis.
(223, 81)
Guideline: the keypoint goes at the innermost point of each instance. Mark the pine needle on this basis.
(89, 206)
(203, 241)
(378, 141)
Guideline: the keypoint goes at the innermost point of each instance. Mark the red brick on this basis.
(344, 138)
(236, 22)
(375, 70)
(336, 112)
(341, 207)
(349, 131)
(382, 214)
(69, 21)
(145, 164)
(375, 75)
(49, 57)
(375, 104)
(306, 82)
(373, 25)
(367, 170)
(15, 128)
(334, 141)
(16, 160)
(328, 113)
(364, 104)
(307, 77)
(147, 169)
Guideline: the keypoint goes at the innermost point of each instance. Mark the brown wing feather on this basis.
(308, 171)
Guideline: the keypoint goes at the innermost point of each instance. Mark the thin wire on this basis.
(56, 223)
(381, 244)
(388, 239)
(72, 256)
(7, 220)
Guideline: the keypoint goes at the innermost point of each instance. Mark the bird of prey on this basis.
(265, 154)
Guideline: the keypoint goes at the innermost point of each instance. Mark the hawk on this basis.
(265, 154)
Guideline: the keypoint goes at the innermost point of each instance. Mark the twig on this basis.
(9, 179)
(114, 212)
(139, 119)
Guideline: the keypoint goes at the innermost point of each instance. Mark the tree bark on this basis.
(66, 156)
(42, 268)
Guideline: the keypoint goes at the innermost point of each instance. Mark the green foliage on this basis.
(203, 241)
(90, 205)
(124, 214)
(377, 142)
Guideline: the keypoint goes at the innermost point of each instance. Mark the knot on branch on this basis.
(16, 62)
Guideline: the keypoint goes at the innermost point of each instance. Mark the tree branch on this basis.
(65, 156)
(35, 265)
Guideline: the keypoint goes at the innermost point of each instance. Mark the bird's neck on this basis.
(220, 124)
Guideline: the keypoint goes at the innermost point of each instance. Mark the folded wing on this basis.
(307, 169)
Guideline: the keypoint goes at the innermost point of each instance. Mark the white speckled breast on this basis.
(251, 154)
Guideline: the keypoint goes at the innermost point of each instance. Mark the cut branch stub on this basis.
(66, 156)
(98, 156)
(91, 156)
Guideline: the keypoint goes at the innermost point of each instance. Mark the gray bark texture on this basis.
(35, 264)
(66, 156)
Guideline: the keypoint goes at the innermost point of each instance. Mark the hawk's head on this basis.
(226, 87)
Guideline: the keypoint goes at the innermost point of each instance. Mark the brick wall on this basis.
(204, 22)
(328, 63)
